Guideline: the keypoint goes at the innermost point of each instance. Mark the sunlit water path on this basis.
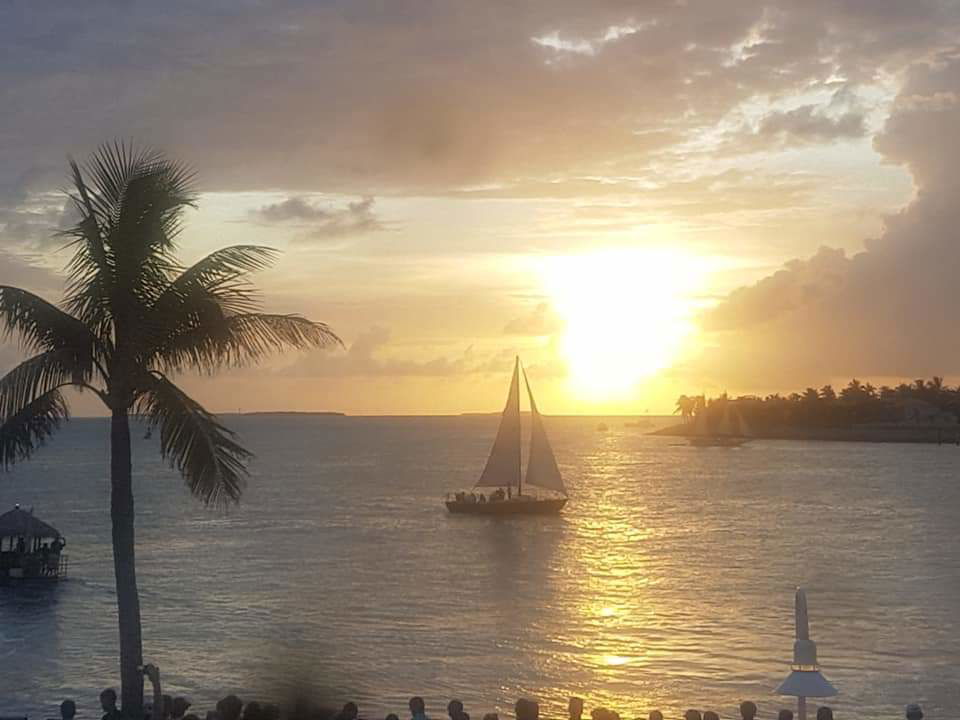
(668, 582)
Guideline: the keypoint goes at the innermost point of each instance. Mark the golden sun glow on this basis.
(627, 314)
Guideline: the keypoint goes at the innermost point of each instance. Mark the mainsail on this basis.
(542, 470)
(503, 465)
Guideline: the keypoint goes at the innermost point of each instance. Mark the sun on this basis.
(627, 314)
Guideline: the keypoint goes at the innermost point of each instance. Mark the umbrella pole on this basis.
(801, 708)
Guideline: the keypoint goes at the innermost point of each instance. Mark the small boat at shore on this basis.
(30, 549)
(731, 432)
(502, 475)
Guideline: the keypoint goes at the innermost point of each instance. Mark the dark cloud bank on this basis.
(891, 310)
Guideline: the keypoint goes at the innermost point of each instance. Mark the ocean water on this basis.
(667, 583)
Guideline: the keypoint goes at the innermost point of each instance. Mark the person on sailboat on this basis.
(509, 492)
(575, 708)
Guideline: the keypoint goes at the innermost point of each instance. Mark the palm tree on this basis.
(133, 317)
(685, 406)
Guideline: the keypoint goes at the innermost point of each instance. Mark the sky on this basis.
(640, 199)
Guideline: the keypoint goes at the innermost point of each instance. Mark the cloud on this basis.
(889, 310)
(295, 208)
(356, 218)
(808, 124)
(365, 357)
(363, 98)
(797, 284)
(539, 321)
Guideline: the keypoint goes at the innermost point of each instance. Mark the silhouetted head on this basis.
(108, 700)
(455, 709)
(417, 706)
(710, 715)
(785, 715)
(575, 708)
(692, 715)
(656, 715)
(914, 712)
(599, 714)
(824, 713)
(253, 711)
(230, 707)
(180, 706)
(68, 708)
(350, 711)
(748, 710)
(526, 709)
(391, 716)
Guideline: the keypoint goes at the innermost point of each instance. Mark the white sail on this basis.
(542, 470)
(503, 465)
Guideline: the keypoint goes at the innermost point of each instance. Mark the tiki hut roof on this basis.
(20, 522)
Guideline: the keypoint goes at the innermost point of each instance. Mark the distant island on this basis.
(324, 413)
(924, 411)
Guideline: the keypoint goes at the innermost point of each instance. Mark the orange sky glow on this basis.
(639, 200)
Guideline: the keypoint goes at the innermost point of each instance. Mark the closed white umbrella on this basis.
(805, 680)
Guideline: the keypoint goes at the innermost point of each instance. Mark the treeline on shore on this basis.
(924, 403)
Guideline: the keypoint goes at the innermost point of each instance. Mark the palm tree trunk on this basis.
(128, 600)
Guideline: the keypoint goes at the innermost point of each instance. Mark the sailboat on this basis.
(732, 431)
(502, 474)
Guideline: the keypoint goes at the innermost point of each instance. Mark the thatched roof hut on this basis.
(21, 523)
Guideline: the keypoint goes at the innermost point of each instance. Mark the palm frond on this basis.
(24, 432)
(220, 277)
(207, 317)
(90, 271)
(238, 340)
(131, 201)
(40, 326)
(38, 375)
(203, 450)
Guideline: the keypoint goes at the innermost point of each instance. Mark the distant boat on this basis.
(502, 475)
(602, 427)
(732, 431)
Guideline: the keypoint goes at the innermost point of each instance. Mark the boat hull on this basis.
(551, 506)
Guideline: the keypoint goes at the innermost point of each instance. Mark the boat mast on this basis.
(516, 373)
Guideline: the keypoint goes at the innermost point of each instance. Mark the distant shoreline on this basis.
(324, 413)
(907, 434)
